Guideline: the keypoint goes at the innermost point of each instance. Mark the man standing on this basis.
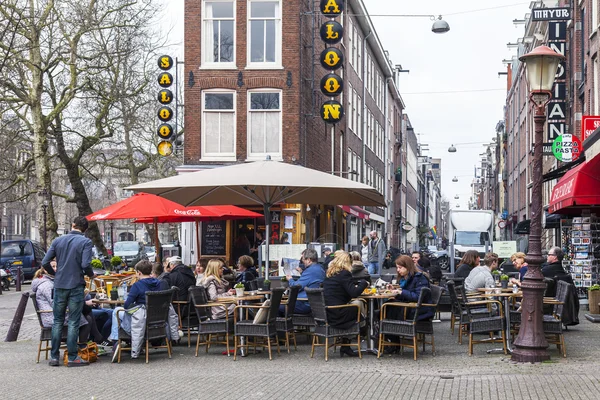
(376, 253)
(73, 254)
(554, 265)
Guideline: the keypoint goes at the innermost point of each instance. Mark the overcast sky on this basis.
(464, 61)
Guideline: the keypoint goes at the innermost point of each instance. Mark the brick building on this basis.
(577, 91)
(252, 90)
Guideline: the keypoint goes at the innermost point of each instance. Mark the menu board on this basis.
(214, 238)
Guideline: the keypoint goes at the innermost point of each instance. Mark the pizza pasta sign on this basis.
(567, 148)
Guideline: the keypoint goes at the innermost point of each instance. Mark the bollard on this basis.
(18, 281)
(15, 326)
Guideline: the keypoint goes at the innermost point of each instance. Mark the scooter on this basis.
(6, 277)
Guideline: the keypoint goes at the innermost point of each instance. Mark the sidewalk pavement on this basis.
(450, 374)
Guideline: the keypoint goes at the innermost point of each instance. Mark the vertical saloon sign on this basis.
(332, 85)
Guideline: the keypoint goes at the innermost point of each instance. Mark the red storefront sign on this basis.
(589, 123)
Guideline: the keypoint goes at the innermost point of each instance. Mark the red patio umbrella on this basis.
(149, 208)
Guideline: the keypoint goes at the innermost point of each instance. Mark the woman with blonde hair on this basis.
(217, 287)
(339, 289)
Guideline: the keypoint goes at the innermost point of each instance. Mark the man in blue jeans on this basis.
(73, 254)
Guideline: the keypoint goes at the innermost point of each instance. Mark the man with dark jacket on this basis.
(73, 254)
(554, 265)
(181, 276)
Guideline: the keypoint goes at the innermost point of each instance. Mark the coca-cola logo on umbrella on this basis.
(187, 212)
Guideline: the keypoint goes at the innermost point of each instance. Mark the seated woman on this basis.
(340, 288)
(358, 268)
(199, 272)
(247, 272)
(43, 286)
(469, 261)
(521, 266)
(411, 282)
(216, 287)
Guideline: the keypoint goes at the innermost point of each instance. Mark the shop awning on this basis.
(356, 211)
(579, 188)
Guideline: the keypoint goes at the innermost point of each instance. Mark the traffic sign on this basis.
(589, 123)
(567, 148)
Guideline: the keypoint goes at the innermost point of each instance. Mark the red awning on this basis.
(578, 188)
(356, 211)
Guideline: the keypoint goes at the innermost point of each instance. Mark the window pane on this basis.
(219, 9)
(257, 132)
(211, 132)
(257, 40)
(264, 101)
(226, 41)
(272, 131)
(271, 39)
(226, 132)
(261, 9)
(218, 101)
(215, 42)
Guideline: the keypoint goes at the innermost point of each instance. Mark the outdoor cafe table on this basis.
(111, 303)
(371, 311)
(239, 300)
(507, 296)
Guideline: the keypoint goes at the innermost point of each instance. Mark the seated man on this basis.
(247, 272)
(136, 297)
(554, 266)
(481, 276)
(181, 276)
(312, 277)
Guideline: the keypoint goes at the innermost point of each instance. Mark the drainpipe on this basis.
(364, 114)
(386, 158)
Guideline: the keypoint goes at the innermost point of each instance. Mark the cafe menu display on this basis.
(214, 238)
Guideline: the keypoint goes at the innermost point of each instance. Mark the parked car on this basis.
(440, 258)
(27, 254)
(99, 256)
(130, 252)
(150, 253)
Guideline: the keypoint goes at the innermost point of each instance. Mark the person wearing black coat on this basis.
(554, 265)
(411, 282)
(181, 276)
(469, 261)
(339, 289)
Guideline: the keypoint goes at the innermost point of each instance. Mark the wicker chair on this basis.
(404, 329)
(459, 312)
(251, 285)
(425, 327)
(479, 323)
(553, 326)
(285, 324)
(207, 326)
(267, 330)
(188, 320)
(322, 327)
(46, 332)
(157, 315)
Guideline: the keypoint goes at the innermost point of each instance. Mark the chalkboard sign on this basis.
(214, 238)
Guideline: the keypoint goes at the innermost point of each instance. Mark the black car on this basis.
(28, 254)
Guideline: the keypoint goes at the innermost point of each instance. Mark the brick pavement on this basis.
(450, 374)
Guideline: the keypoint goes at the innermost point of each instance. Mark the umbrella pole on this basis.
(267, 211)
(197, 241)
(157, 243)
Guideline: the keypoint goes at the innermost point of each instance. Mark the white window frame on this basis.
(211, 64)
(277, 64)
(350, 109)
(359, 55)
(218, 156)
(262, 156)
(594, 16)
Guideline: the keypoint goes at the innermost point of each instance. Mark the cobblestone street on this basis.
(450, 374)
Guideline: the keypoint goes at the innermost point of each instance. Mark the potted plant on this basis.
(115, 261)
(504, 281)
(284, 282)
(96, 264)
(594, 299)
(239, 289)
(496, 275)
(267, 285)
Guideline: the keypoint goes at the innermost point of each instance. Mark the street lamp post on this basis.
(531, 346)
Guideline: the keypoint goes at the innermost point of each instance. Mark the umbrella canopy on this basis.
(264, 183)
(203, 213)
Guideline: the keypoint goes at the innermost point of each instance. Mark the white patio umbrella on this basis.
(262, 182)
